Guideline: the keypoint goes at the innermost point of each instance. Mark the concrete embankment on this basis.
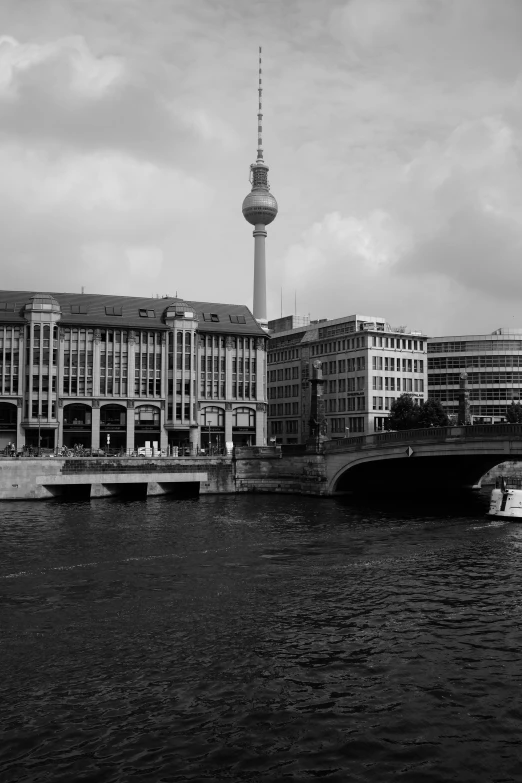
(267, 470)
(249, 470)
(42, 478)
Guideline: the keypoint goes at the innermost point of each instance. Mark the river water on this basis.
(259, 638)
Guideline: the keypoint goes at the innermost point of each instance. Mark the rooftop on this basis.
(105, 310)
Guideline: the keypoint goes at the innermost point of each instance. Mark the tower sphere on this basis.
(259, 207)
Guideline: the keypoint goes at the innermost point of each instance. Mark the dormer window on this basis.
(113, 311)
(237, 319)
(147, 313)
(213, 317)
(78, 310)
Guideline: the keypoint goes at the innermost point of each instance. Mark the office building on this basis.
(123, 372)
(366, 365)
(493, 363)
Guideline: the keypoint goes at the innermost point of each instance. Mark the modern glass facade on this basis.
(493, 364)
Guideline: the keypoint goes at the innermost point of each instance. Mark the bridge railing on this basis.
(427, 433)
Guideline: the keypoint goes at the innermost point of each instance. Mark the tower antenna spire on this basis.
(260, 112)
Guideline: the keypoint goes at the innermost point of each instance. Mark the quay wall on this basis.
(248, 470)
(43, 478)
(270, 471)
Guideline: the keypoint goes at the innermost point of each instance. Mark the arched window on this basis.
(76, 415)
(147, 417)
(7, 416)
(187, 342)
(212, 416)
(113, 416)
(244, 417)
(179, 339)
(240, 342)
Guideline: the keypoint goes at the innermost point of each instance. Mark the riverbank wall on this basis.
(249, 469)
(44, 478)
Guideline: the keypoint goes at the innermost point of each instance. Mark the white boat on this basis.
(506, 499)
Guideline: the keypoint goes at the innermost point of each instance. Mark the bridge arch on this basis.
(452, 457)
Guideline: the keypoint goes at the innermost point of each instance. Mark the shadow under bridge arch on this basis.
(450, 457)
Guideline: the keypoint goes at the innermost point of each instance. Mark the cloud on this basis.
(391, 131)
(97, 194)
(452, 224)
(61, 92)
(85, 75)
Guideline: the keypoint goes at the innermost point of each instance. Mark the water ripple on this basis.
(248, 639)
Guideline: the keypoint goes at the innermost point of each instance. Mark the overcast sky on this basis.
(392, 130)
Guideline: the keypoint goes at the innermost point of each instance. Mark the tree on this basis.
(404, 413)
(407, 414)
(432, 414)
(514, 413)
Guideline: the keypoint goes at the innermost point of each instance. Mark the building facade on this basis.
(493, 364)
(366, 365)
(126, 372)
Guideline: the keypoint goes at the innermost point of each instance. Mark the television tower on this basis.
(259, 209)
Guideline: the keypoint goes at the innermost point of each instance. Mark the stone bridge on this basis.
(436, 456)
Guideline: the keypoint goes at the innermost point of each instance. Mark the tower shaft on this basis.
(259, 309)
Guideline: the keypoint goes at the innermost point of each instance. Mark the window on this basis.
(113, 311)
(78, 309)
(237, 319)
(214, 317)
(356, 424)
(379, 423)
(244, 417)
(147, 313)
(7, 307)
(212, 416)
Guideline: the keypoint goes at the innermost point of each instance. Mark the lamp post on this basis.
(209, 443)
(346, 429)
(39, 436)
